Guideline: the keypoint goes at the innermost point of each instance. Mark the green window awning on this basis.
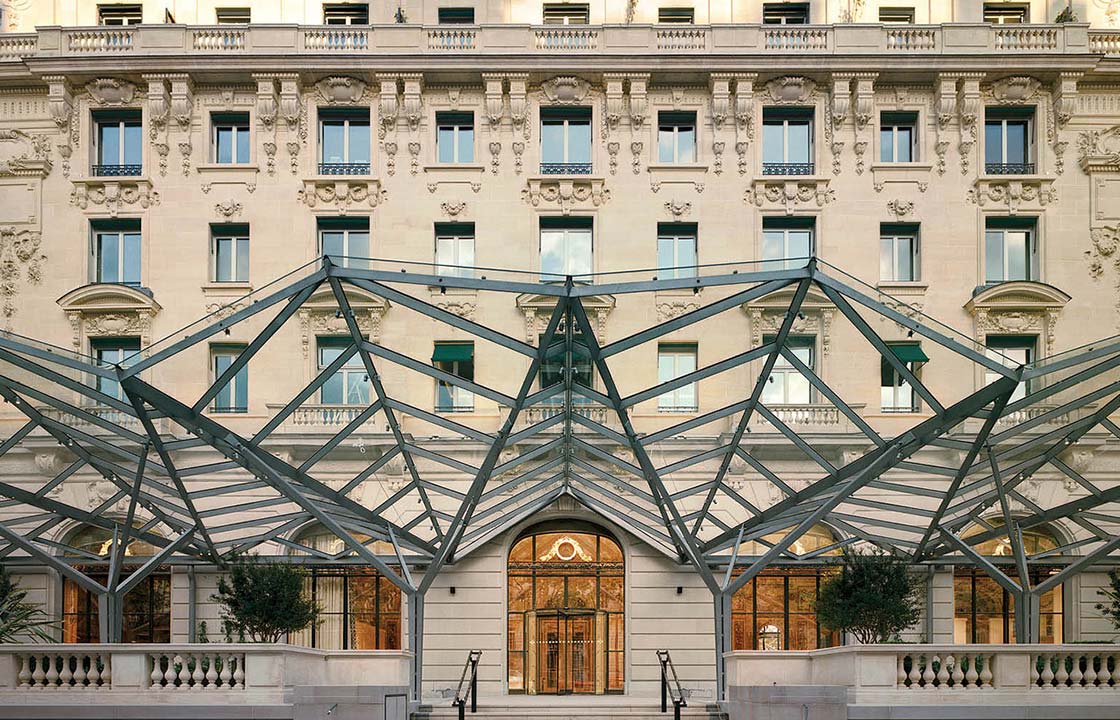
(909, 353)
(453, 352)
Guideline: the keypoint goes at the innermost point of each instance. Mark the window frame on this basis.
(459, 234)
(677, 400)
(784, 368)
(568, 225)
(785, 117)
(236, 235)
(346, 13)
(997, 13)
(122, 119)
(127, 346)
(122, 229)
(567, 117)
(233, 15)
(456, 122)
(348, 226)
(1003, 117)
(895, 233)
(905, 12)
(891, 122)
(676, 15)
(237, 384)
(353, 366)
(455, 14)
(462, 399)
(673, 122)
(1031, 260)
(565, 11)
(783, 13)
(350, 119)
(242, 133)
(897, 383)
(995, 347)
(786, 225)
(675, 233)
(120, 14)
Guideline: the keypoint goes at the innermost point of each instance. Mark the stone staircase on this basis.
(568, 708)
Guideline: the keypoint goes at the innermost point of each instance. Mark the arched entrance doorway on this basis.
(566, 611)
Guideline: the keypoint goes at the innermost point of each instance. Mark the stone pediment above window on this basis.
(1026, 193)
(566, 194)
(104, 194)
(793, 195)
(1020, 307)
(320, 315)
(330, 193)
(814, 318)
(109, 310)
(538, 309)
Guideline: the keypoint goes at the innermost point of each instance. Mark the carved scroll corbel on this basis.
(388, 106)
(494, 100)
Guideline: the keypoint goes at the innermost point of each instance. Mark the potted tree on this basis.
(264, 601)
(873, 597)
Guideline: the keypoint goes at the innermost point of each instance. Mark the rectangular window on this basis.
(785, 13)
(1010, 250)
(119, 14)
(895, 394)
(1007, 13)
(1011, 351)
(896, 15)
(898, 137)
(787, 141)
(115, 247)
(673, 361)
(566, 14)
(455, 137)
(454, 358)
(456, 16)
(113, 351)
(345, 241)
(566, 249)
(346, 13)
(230, 137)
(898, 253)
(565, 141)
(676, 137)
(552, 369)
(455, 249)
(350, 383)
(676, 15)
(230, 252)
(1008, 142)
(234, 397)
(786, 385)
(233, 15)
(787, 242)
(676, 250)
(118, 142)
(344, 142)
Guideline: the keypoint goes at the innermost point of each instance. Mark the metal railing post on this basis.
(474, 684)
(664, 688)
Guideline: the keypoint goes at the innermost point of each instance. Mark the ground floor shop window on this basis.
(777, 611)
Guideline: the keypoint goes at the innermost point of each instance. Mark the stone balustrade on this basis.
(616, 40)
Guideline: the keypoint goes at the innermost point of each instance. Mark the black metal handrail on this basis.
(460, 701)
(667, 687)
(787, 168)
(116, 170)
(344, 168)
(1009, 168)
(565, 168)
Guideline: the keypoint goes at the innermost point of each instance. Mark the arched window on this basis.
(776, 610)
(566, 611)
(146, 610)
(361, 608)
(984, 610)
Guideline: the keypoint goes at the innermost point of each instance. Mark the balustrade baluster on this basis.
(157, 674)
(171, 673)
(24, 676)
(1047, 673)
(1061, 675)
(1090, 672)
(1075, 674)
(986, 672)
(942, 672)
(915, 671)
(66, 677)
(52, 672)
(971, 675)
(900, 678)
(225, 675)
(957, 675)
(211, 671)
(239, 672)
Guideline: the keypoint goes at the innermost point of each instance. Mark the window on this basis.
(113, 351)
(565, 141)
(350, 383)
(673, 361)
(118, 142)
(896, 15)
(1005, 13)
(676, 250)
(895, 394)
(1010, 250)
(119, 14)
(566, 249)
(898, 137)
(787, 141)
(1011, 351)
(454, 358)
(676, 15)
(786, 385)
(456, 16)
(455, 249)
(676, 137)
(455, 137)
(776, 611)
(116, 251)
(898, 253)
(785, 13)
(234, 397)
(552, 368)
(344, 142)
(567, 14)
(786, 242)
(345, 13)
(230, 251)
(1008, 145)
(233, 15)
(230, 137)
(345, 241)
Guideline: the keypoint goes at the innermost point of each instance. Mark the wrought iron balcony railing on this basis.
(787, 168)
(565, 168)
(1009, 168)
(117, 170)
(344, 168)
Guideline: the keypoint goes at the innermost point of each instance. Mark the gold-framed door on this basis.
(564, 654)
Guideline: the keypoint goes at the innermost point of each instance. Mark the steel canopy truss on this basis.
(725, 490)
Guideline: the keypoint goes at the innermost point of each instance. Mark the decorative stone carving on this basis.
(182, 100)
(1105, 242)
(388, 107)
(414, 157)
(636, 156)
(741, 152)
(320, 316)
(1017, 308)
(291, 109)
(1015, 90)
(62, 109)
(670, 307)
(865, 100)
(1013, 193)
(185, 151)
(538, 310)
(968, 107)
(518, 152)
(1098, 151)
(1065, 97)
(341, 90)
(717, 157)
(567, 194)
(519, 102)
(495, 151)
(21, 257)
(390, 149)
(159, 105)
(228, 209)
(791, 90)
(900, 208)
(268, 103)
(639, 101)
(860, 147)
(113, 195)
(744, 108)
(463, 306)
(493, 102)
(678, 209)
(565, 90)
(815, 317)
(23, 154)
(270, 157)
(841, 99)
(720, 86)
(293, 157)
(341, 194)
(453, 209)
(109, 311)
(612, 154)
(413, 105)
(110, 92)
(615, 102)
(941, 147)
(789, 195)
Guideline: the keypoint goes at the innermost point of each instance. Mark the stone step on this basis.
(562, 710)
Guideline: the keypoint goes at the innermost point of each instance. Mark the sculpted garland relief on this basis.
(20, 257)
